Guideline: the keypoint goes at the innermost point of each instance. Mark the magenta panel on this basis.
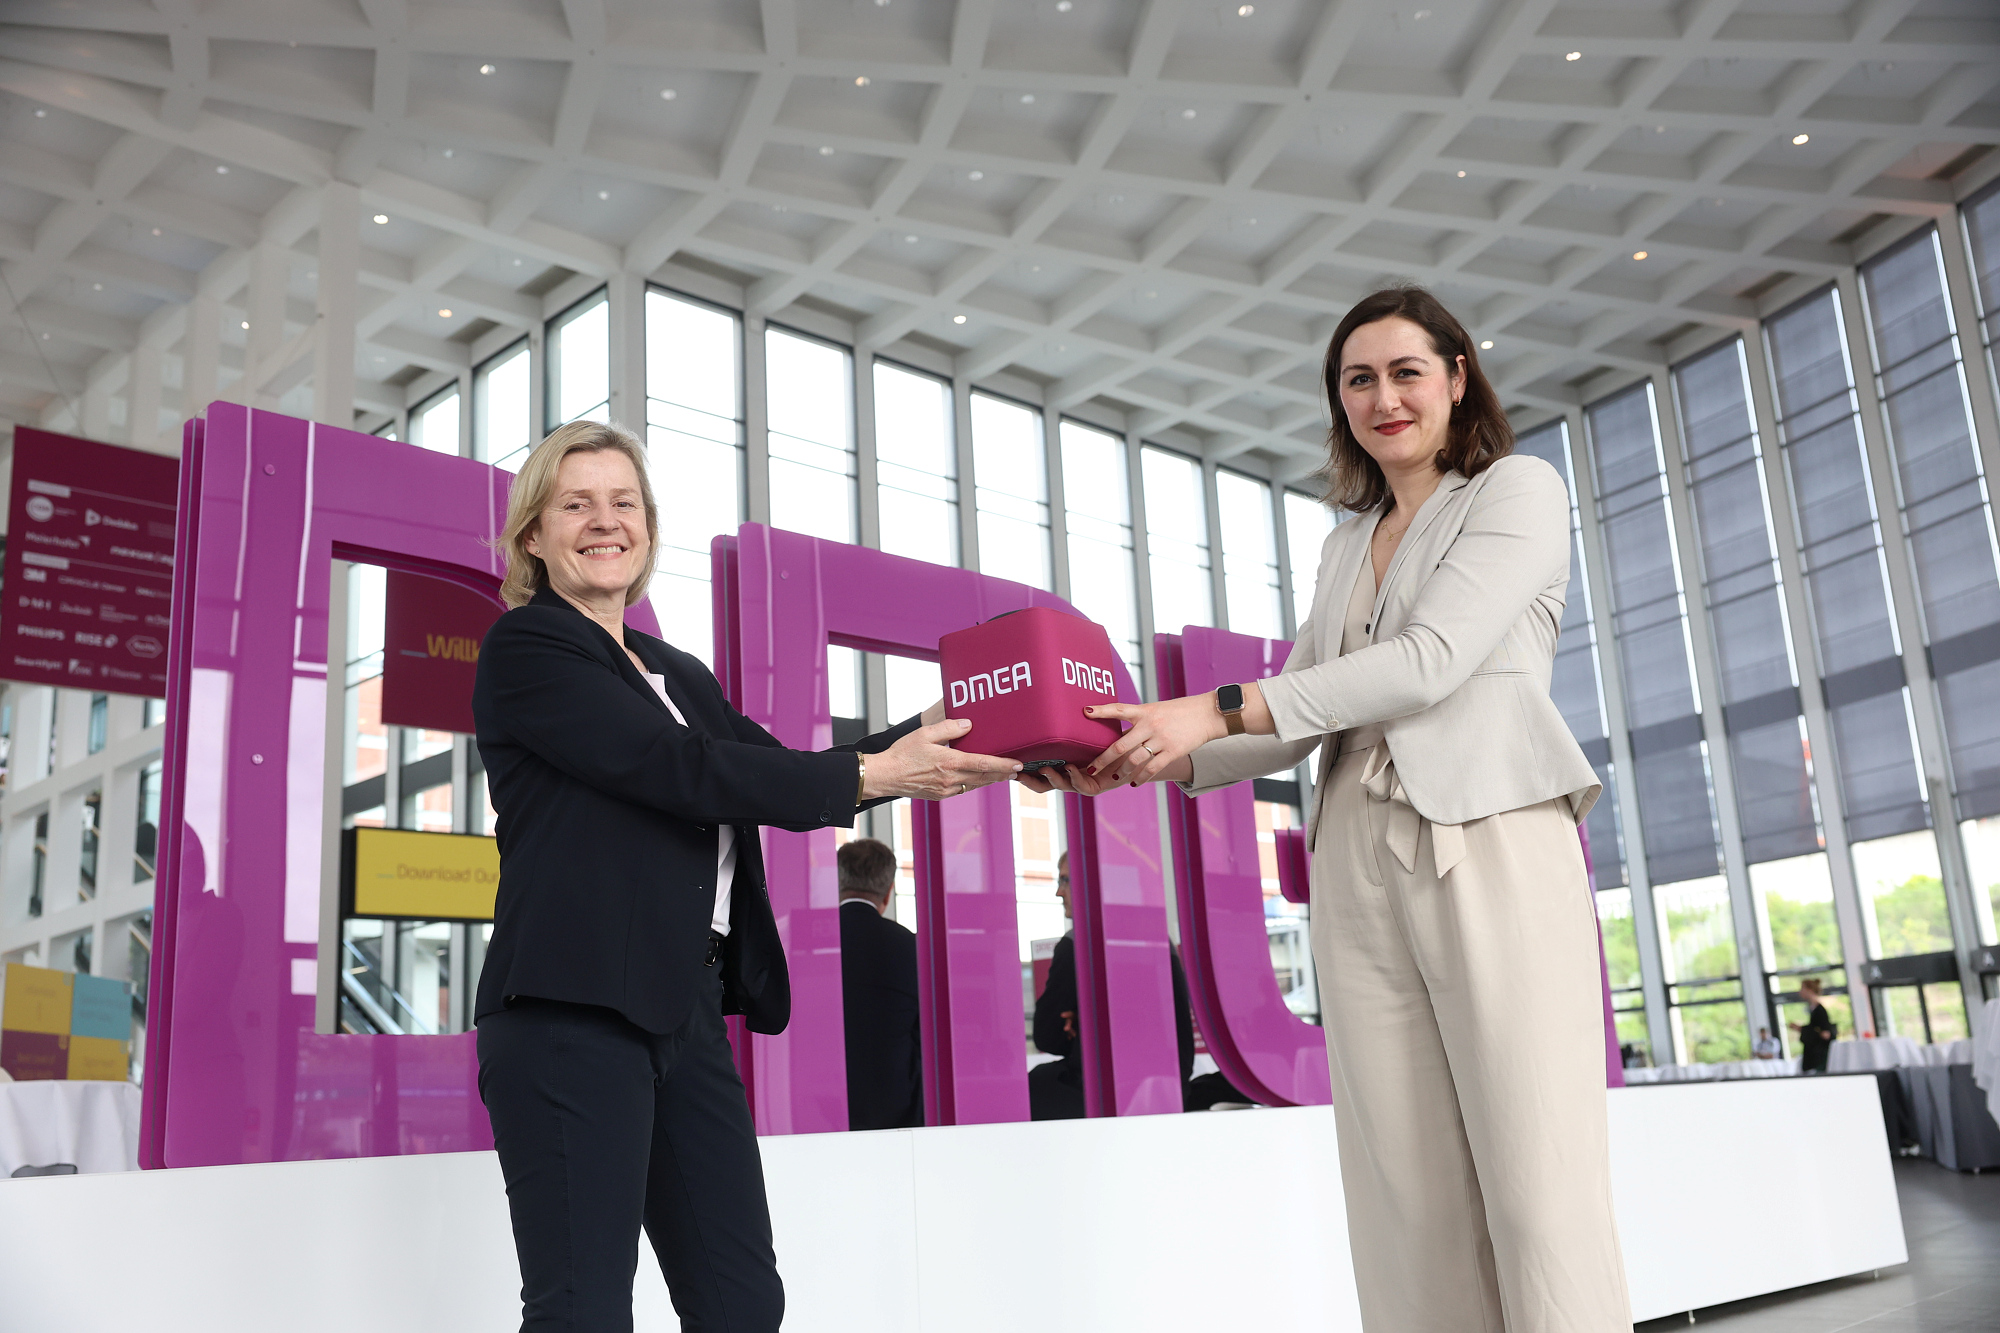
(1258, 1043)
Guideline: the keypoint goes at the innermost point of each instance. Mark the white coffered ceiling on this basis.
(1154, 209)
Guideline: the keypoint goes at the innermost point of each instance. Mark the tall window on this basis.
(146, 827)
(1011, 464)
(1097, 500)
(811, 410)
(1176, 540)
(1576, 684)
(916, 465)
(1249, 555)
(434, 422)
(1981, 216)
(502, 433)
(579, 362)
(1840, 550)
(694, 444)
(1746, 605)
(1307, 522)
(100, 721)
(1655, 657)
(1946, 518)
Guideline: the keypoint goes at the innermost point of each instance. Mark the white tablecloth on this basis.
(90, 1125)
(1852, 1057)
(1704, 1073)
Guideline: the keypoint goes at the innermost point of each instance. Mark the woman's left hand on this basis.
(1158, 739)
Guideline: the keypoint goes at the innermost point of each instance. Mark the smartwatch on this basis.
(1229, 703)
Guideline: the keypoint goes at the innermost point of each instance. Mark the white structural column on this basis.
(1645, 921)
(142, 397)
(201, 352)
(270, 268)
(1142, 567)
(867, 476)
(1812, 699)
(1714, 725)
(1058, 501)
(626, 293)
(968, 479)
(1925, 709)
(757, 430)
(336, 301)
(1218, 583)
(1965, 321)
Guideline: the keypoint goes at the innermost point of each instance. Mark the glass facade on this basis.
(1097, 496)
(1177, 540)
(916, 465)
(579, 362)
(502, 421)
(1011, 463)
(1249, 533)
(810, 408)
(434, 424)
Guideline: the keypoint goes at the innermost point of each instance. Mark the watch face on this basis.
(1229, 698)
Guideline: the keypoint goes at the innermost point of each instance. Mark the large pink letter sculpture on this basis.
(234, 1070)
(781, 599)
(1258, 1043)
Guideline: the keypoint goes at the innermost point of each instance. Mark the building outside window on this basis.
(92, 813)
(502, 431)
(1307, 522)
(1011, 465)
(38, 868)
(579, 362)
(810, 406)
(916, 465)
(1177, 540)
(694, 444)
(146, 830)
(1097, 498)
(434, 422)
(1249, 554)
(100, 716)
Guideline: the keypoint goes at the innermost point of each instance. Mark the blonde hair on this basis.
(535, 486)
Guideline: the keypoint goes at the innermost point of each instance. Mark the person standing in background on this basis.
(1816, 1034)
(878, 995)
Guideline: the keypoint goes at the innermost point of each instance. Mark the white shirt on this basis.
(725, 834)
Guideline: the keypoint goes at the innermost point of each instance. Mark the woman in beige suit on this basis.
(1451, 921)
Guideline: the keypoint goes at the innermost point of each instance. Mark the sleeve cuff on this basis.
(1295, 716)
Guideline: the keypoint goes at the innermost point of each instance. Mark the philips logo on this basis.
(986, 684)
(1095, 679)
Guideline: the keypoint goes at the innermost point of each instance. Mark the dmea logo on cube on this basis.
(1024, 679)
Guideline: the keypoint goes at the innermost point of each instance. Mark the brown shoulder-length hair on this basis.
(535, 488)
(1479, 432)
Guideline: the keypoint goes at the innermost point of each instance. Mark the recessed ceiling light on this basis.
(668, 94)
(1573, 55)
(861, 80)
(517, 263)
(975, 175)
(380, 359)
(909, 240)
(156, 231)
(1639, 254)
(486, 69)
(41, 113)
(958, 319)
(1801, 138)
(97, 286)
(604, 194)
(1486, 346)
(1064, 6)
(1027, 98)
(449, 152)
(1188, 114)
(881, 4)
(1245, 11)
(444, 313)
(1461, 175)
(825, 150)
(246, 324)
(1421, 15)
(381, 219)
(221, 169)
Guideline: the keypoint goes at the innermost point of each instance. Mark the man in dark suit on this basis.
(878, 988)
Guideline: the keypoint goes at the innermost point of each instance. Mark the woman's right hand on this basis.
(924, 765)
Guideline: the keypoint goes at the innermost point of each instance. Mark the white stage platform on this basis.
(1230, 1220)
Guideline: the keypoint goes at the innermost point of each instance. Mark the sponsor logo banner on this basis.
(90, 559)
(431, 634)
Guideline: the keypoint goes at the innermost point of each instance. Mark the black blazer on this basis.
(607, 822)
(878, 985)
(1059, 996)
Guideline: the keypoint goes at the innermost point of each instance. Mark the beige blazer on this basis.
(1460, 647)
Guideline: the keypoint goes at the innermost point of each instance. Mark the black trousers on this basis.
(603, 1127)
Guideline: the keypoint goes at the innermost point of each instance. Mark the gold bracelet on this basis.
(860, 777)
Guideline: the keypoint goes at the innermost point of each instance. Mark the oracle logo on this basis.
(986, 684)
(1095, 679)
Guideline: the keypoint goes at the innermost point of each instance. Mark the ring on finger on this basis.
(1149, 749)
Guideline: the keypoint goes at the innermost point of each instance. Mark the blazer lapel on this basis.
(1426, 515)
(619, 661)
(1337, 581)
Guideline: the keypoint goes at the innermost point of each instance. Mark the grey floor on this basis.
(1950, 1285)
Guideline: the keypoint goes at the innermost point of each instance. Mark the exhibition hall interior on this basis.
(924, 312)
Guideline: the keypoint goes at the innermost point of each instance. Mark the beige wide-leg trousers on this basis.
(1464, 1027)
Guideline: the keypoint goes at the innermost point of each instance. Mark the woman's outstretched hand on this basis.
(1159, 738)
(924, 765)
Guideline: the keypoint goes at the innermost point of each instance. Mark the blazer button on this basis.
(826, 816)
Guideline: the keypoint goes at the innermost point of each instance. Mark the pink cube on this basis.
(1024, 680)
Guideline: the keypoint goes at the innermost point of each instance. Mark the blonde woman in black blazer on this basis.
(1452, 923)
(632, 912)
